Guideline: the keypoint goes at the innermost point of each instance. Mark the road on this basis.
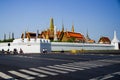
(60, 67)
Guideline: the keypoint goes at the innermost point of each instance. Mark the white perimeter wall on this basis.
(54, 46)
(32, 46)
(26, 47)
(58, 46)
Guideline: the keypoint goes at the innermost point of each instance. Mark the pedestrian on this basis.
(21, 51)
(3, 51)
(15, 51)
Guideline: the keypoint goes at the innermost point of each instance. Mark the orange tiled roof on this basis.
(58, 34)
(73, 34)
(104, 39)
(30, 34)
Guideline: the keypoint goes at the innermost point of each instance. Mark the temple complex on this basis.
(59, 40)
(62, 36)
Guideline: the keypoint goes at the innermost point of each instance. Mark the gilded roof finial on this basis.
(72, 27)
(62, 26)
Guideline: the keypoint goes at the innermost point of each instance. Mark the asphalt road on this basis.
(60, 67)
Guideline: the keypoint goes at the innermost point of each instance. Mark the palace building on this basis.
(62, 36)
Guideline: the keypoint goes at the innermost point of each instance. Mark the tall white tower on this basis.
(115, 41)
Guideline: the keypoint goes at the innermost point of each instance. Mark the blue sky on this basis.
(99, 17)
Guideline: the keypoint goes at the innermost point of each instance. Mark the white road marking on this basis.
(110, 61)
(33, 73)
(118, 73)
(43, 71)
(89, 64)
(100, 62)
(21, 75)
(55, 70)
(5, 76)
(61, 68)
(83, 66)
(70, 67)
(104, 77)
(79, 65)
(107, 77)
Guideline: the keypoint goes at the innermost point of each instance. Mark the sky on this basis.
(98, 17)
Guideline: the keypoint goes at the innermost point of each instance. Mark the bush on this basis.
(7, 40)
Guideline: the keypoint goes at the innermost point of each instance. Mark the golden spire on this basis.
(51, 36)
(62, 27)
(51, 24)
(87, 36)
(72, 27)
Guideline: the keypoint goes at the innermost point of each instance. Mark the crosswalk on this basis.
(106, 77)
(5, 76)
(53, 70)
(25, 76)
